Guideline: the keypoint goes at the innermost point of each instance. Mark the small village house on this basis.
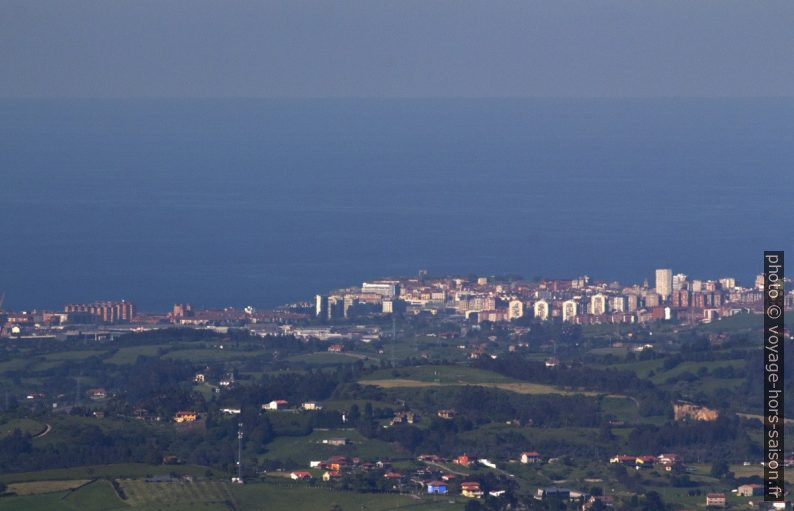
(553, 492)
(715, 500)
(277, 404)
(97, 393)
(446, 414)
(750, 490)
(185, 416)
(437, 487)
(471, 489)
(462, 460)
(530, 457)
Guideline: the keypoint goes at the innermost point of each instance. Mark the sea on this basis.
(262, 202)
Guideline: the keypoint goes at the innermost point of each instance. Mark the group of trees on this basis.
(726, 437)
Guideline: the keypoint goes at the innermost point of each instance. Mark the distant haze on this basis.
(405, 48)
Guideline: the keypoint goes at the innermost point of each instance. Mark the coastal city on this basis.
(472, 299)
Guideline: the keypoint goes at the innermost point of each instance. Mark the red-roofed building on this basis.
(715, 500)
(471, 489)
(462, 460)
(185, 416)
(530, 457)
(276, 404)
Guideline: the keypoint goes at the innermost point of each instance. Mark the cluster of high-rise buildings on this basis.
(106, 312)
(673, 297)
(579, 300)
(49, 324)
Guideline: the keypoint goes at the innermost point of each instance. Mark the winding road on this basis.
(47, 429)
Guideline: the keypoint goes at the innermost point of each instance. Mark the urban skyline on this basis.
(476, 298)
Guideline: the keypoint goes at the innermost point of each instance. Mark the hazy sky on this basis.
(396, 48)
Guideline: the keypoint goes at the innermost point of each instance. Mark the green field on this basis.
(436, 376)
(218, 496)
(73, 355)
(641, 368)
(213, 354)
(140, 493)
(26, 426)
(441, 374)
(693, 367)
(132, 470)
(37, 487)
(323, 359)
(518, 387)
(307, 448)
(737, 322)
(95, 496)
(130, 354)
(300, 497)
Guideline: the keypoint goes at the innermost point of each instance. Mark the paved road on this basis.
(446, 468)
(47, 429)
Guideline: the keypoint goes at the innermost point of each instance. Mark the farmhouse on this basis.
(446, 414)
(403, 417)
(277, 404)
(553, 493)
(683, 411)
(185, 416)
(471, 489)
(300, 476)
(463, 460)
(438, 487)
(715, 500)
(750, 490)
(530, 457)
(669, 459)
(97, 393)
(311, 406)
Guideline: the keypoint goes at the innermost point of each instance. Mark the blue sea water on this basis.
(263, 202)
